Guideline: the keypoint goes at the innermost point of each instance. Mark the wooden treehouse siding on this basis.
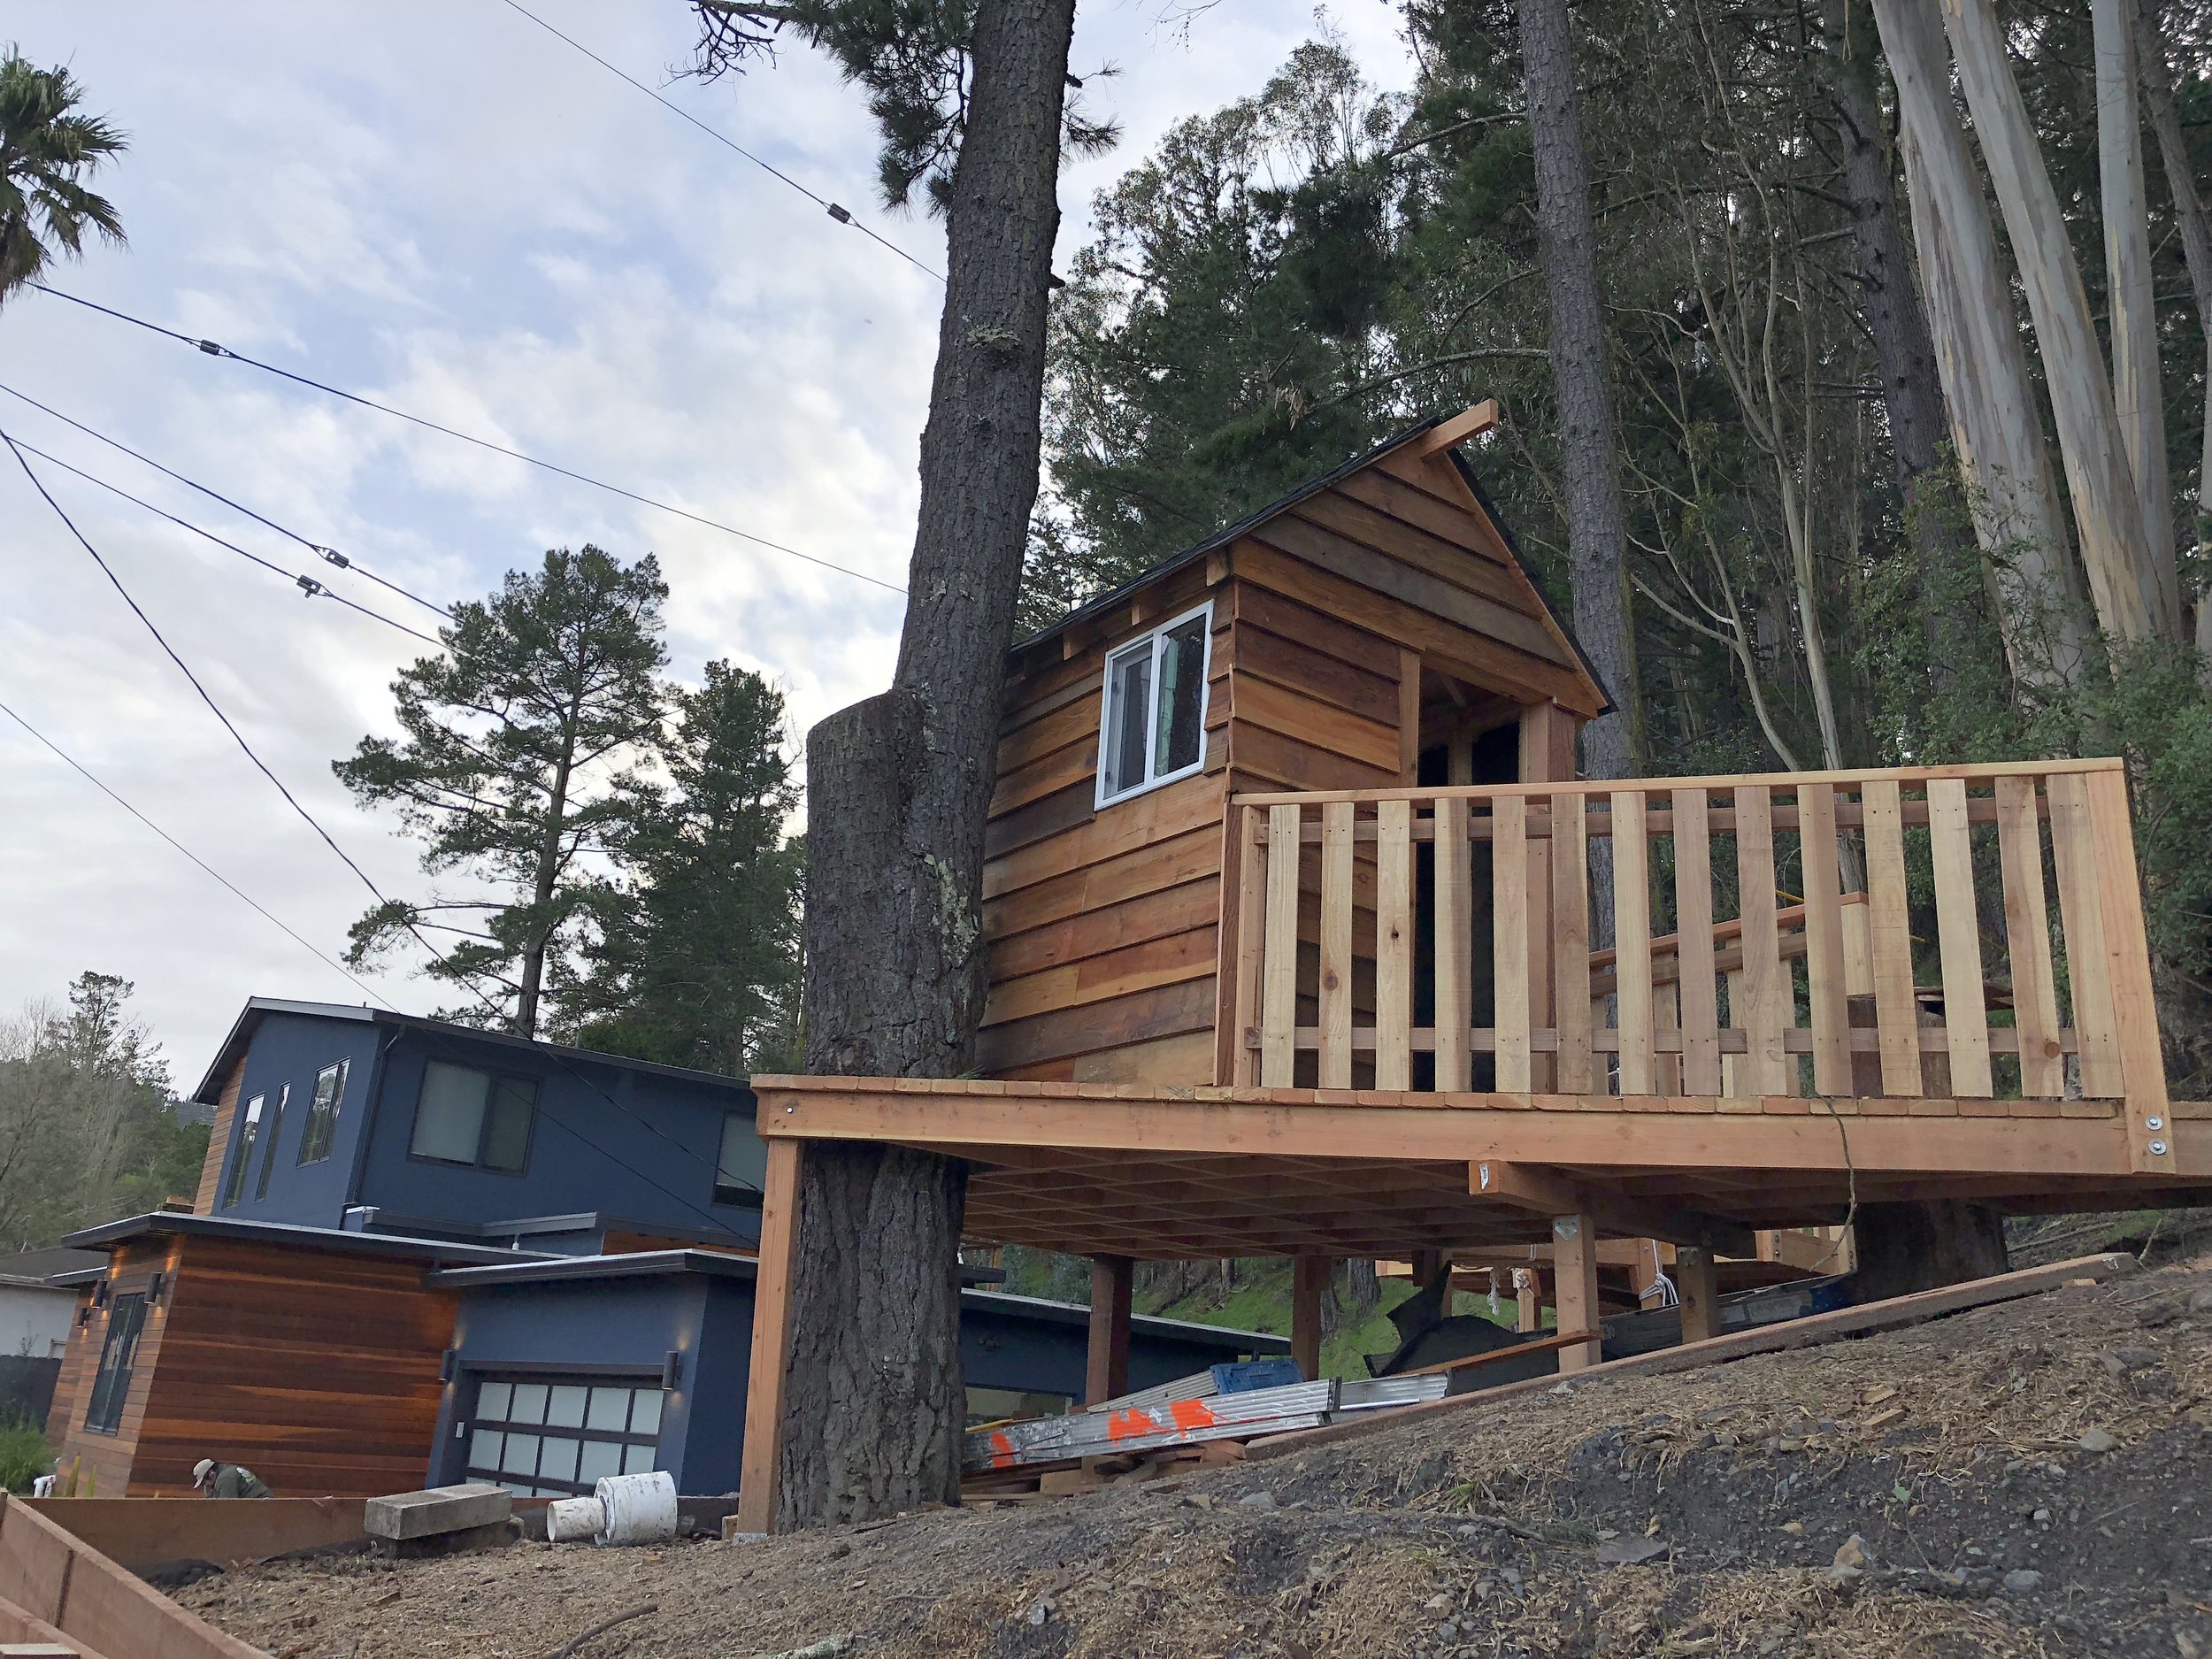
(218, 1142)
(103, 1461)
(319, 1372)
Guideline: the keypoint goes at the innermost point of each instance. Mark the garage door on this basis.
(554, 1437)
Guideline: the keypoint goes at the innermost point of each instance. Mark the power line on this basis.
(329, 555)
(78, 767)
(843, 215)
(347, 859)
(216, 350)
(307, 585)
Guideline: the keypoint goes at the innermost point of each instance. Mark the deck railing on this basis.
(1442, 939)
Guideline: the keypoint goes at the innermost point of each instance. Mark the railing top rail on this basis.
(1981, 772)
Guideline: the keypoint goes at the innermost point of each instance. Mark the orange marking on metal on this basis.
(1127, 1425)
(1002, 1450)
(1192, 1414)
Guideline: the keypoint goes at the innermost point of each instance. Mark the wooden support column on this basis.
(761, 1471)
(1574, 1248)
(1309, 1283)
(1694, 1278)
(1426, 1265)
(1106, 1372)
(1528, 1301)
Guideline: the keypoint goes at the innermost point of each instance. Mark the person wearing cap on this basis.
(227, 1480)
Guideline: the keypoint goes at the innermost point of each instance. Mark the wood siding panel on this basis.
(218, 1142)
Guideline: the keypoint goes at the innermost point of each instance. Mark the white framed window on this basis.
(1154, 727)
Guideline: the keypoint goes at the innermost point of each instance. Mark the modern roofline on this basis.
(168, 1223)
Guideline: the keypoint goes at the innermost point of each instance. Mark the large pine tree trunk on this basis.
(2121, 578)
(1995, 424)
(1589, 470)
(898, 789)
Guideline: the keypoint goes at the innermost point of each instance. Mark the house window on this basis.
(276, 1128)
(554, 1437)
(111, 1386)
(322, 1115)
(1155, 729)
(249, 1132)
(473, 1118)
(741, 1168)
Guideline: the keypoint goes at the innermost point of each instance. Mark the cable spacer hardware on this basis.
(334, 556)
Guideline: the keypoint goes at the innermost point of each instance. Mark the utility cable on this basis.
(841, 215)
(78, 767)
(307, 585)
(216, 350)
(347, 859)
(329, 555)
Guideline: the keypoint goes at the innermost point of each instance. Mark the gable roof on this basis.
(1545, 610)
(259, 1008)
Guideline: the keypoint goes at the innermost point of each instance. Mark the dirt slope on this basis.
(1985, 1526)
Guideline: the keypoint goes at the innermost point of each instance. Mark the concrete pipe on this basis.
(639, 1509)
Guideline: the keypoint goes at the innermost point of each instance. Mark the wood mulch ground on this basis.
(2029, 1478)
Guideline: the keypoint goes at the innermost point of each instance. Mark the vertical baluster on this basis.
(2028, 939)
(2134, 1011)
(1251, 943)
(1571, 947)
(1393, 945)
(1958, 941)
(1631, 940)
(1508, 856)
(1666, 1024)
(1278, 972)
(1693, 923)
(1829, 1010)
(1336, 944)
(1763, 1006)
(2081, 918)
(1896, 1010)
(1455, 944)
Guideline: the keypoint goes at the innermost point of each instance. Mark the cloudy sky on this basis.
(445, 208)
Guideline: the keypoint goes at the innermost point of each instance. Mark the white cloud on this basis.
(446, 209)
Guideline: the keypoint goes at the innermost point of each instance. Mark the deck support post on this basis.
(1106, 1368)
(1528, 1301)
(761, 1471)
(1696, 1278)
(1574, 1248)
(1426, 1265)
(1309, 1283)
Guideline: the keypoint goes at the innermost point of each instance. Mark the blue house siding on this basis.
(291, 1050)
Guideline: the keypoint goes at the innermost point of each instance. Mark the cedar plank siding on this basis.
(318, 1372)
(1102, 926)
(218, 1142)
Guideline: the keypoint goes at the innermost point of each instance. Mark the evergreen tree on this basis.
(554, 673)
(699, 967)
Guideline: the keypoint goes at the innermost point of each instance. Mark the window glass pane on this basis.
(492, 1400)
(276, 1128)
(645, 1415)
(637, 1460)
(741, 1168)
(322, 1116)
(507, 1137)
(600, 1459)
(565, 1404)
(518, 1490)
(1128, 702)
(1182, 697)
(234, 1184)
(529, 1402)
(522, 1455)
(559, 1460)
(484, 1449)
(610, 1409)
(450, 1118)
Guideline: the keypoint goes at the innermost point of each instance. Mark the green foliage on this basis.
(47, 152)
(556, 674)
(88, 1129)
(24, 1456)
(698, 965)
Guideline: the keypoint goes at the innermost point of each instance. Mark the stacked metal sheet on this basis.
(1122, 1427)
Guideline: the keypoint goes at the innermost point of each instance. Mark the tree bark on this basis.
(1996, 426)
(2136, 395)
(899, 789)
(1590, 471)
(2122, 579)
(1904, 1247)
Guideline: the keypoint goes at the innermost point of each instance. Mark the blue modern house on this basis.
(424, 1251)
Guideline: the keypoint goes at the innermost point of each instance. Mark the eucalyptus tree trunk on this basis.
(1597, 541)
(2134, 330)
(2122, 579)
(1996, 426)
(898, 787)
(2196, 251)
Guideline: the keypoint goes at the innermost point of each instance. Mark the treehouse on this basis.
(1305, 939)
